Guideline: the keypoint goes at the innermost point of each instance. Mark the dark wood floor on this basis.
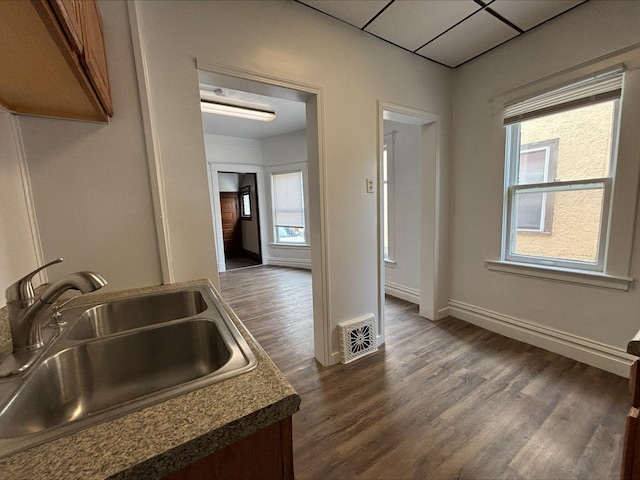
(443, 400)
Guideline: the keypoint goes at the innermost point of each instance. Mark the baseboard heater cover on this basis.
(357, 338)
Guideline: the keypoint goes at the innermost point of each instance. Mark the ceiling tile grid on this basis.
(478, 34)
(412, 24)
(449, 32)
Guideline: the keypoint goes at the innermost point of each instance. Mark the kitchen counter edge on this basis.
(161, 438)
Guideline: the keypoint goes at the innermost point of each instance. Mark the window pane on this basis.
(532, 166)
(530, 211)
(575, 223)
(289, 235)
(288, 207)
(584, 138)
(246, 205)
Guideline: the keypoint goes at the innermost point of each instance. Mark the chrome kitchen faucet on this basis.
(25, 310)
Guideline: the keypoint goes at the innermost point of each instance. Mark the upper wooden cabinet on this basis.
(69, 14)
(52, 59)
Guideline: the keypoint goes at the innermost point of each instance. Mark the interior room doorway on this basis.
(411, 257)
(219, 80)
(240, 219)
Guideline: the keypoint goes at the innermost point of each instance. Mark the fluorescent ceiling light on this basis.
(236, 111)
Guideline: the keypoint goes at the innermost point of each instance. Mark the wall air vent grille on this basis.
(357, 338)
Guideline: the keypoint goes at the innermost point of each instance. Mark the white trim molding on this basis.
(28, 196)
(154, 156)
(402, 291)
(313, 96)
(606, 357)
(567, 275)
(288, 262)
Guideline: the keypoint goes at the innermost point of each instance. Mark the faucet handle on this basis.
(23, 289)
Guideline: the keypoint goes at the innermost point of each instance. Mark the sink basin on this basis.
(121, 315)
(119, 356)
(94, 376)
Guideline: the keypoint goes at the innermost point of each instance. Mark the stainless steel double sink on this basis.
(117, 356)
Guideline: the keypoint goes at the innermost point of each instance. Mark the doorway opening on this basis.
(240, 220)
(409, 220)
(268, 156)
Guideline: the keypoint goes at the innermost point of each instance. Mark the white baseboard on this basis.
(606, 357)
(403, 292)
(288, 262)
(335, 358)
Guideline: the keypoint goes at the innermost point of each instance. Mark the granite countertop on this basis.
(154, 441)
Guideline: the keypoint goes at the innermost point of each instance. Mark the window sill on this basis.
(389, 263)
(289, 245)
(593, 279)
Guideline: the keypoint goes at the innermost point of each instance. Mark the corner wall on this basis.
(90, 181)
(590, 324)
(19, 241)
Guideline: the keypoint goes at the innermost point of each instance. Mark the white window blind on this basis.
(598, 88)
(288, 200)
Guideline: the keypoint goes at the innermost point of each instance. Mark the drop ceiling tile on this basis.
(526, 14)
(356, 12)
(411, 24)
(474, 36)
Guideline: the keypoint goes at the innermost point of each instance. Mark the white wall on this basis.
(284, 149)
(285, 153)
(221, 149)
(229, 182)
(18, 246)
(283, 39)
(402, 278)
(91, 182)
(587, 323)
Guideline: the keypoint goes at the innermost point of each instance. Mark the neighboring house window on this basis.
(288, 207)
(538, 163)
(387, 198)
(560, 162)
(245, 202)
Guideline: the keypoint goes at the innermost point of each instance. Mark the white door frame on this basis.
(431, 219)
(213, 169)
(313, 96)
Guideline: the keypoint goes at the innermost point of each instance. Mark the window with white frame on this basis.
(560, 162)
(387, 198)
(537, 164)
(288, 207)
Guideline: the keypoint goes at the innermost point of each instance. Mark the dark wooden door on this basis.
(231, 233)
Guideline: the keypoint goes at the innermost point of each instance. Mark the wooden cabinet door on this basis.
(631, 450)
(265, 454)
(231, 234)
(69, 14)
(94, 58)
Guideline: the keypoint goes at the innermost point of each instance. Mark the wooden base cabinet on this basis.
(631, 452)
(265, 455)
